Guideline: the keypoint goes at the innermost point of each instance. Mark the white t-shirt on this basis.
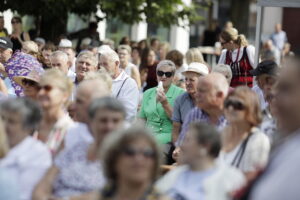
(259, 92)
(255, 156)
(250, 52)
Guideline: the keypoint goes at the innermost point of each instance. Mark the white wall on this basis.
(272, 16)
(7, 20)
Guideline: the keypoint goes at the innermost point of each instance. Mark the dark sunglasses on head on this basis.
(167, 74)
(15, 22)
(236, 105)
(47, 88)
(131, 152)
(30, 83)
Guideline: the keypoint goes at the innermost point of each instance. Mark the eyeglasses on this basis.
(131, 152)
(47, 88)
(236, 105)
(30, 83)
(167, 74)
(223, 43)
(15, 22)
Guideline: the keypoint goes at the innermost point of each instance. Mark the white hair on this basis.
(219, 82)
(111, 55)
(225, 70)
(90, 56)
(60, 54)
(168, 63)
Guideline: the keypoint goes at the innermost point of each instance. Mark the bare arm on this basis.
(43, 190)
(26, 36)
(168, 108)
(135, 74)
(175, 131)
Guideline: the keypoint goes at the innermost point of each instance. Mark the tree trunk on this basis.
(240, 15)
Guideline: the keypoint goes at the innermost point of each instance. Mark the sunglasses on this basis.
(31, 83)
(167, 74)
(223, 43)
(147, 153)
(15, 22)
(236, 105)
(47, 88)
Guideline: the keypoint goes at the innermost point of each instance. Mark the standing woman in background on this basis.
(148, 68)
(18, 36)
(238, 55)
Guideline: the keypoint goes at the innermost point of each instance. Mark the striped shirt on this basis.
(198, 115)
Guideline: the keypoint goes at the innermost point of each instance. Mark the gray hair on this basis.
(101, 75)
(168, 63)
(60, 54)
(225, 70)
(88, 55)
(125, 47)
(28, 109)
(108, 103)
(111, 55)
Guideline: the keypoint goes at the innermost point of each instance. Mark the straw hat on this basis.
(34, 75)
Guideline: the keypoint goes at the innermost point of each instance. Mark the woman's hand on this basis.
(161, 97)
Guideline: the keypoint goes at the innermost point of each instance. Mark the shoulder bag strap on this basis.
(238, 157)
(121, 87)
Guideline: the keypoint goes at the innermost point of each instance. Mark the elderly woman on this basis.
(28, 159)
(157, 104)
(30, 83)
(77, 172)
(131, 164)
(148, 68)
(54, 93)
(201, 178)
(244, 146)
(225, 70)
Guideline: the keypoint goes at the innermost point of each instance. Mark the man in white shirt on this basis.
(66, 46)
(279, 37)
(28, 158)
(280, 179)
(87, 91)
(60, 60)
(124, 88)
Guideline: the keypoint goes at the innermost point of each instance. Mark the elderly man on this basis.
(86, 62)
(211, 93)
(124, 88)
(281, 177)
(187, 101)
(87, 91)
(60, 60)
(66, 46)
(124, 52)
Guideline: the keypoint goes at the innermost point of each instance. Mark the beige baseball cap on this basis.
(198, 68)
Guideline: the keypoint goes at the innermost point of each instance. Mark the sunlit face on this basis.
(136, 167)
(135, 54)
(236, 111)
(167, 81)
(83, 65)
(5, 55)
(16, 24)
(109, 65)
(82, 102)
(266, 82)
(287, 99)
(46, 57)
(206, 95)
(151, 58)
(14, 128)
(124, 56)
(51, 96)
(104, 122)
(226, 44)
(31, 88)
(70, 52)
(60, 64)
(191, 82)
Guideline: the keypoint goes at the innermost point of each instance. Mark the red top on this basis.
(240, 69)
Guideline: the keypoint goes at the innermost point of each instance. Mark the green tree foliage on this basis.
(51, 15)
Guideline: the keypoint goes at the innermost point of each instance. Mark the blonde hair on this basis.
(194, 55)
(31, 47)
(231, 34)
(3, 141)
(59, 79)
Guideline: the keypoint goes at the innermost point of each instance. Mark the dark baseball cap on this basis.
(5, 43)
(268, 67)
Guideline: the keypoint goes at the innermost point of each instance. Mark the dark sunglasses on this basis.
(30, 83)
(147, 153)
(236, 105)
(47, 88)
(167, 74)
(223, 43)
(15, 22)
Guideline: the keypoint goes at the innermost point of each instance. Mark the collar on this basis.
(170, 91)
(122, 76)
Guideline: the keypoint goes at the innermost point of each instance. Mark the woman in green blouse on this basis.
(157, 104)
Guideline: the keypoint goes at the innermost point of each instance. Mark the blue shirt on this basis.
(279, 39)
(182, 106)
(198, 115)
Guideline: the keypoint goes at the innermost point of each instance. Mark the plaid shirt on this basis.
(198, 115)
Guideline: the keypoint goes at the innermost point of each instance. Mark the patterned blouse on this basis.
(77, 175)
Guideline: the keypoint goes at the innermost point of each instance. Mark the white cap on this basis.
(198, 68)
(104, 48)
(65, 43)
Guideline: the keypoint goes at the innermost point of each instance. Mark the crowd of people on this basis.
(143, 122)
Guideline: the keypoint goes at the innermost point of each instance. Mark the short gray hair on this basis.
(108, 103)
(60, 54)
(89, 55)
(168, 63)
(28, 109)
(225, 70)
(111, 55)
